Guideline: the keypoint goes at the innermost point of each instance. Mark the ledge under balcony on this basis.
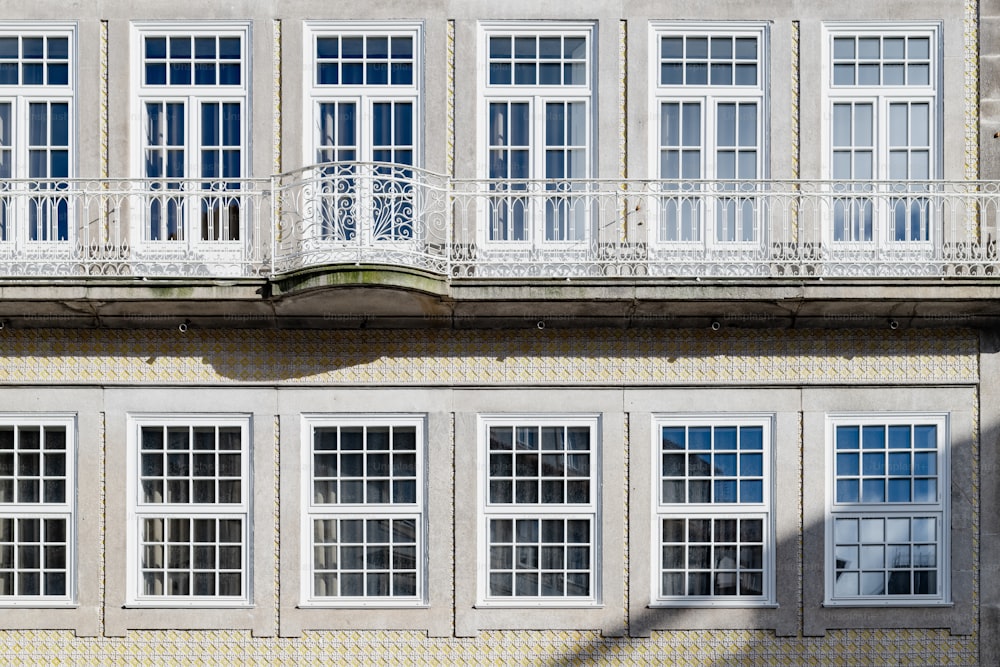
(357, 244)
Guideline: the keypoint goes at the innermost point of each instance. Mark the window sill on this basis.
(711, 604)
(841, 604)
(187, 605)
(539, 604)
(362, 605)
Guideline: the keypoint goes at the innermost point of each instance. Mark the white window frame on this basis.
(881, 97)
(574, 215)
(138, 510)
(314, 510)
(191, 195)
(709, 200)
(489, 511)
(65, 510)
(363, 95)
(939, 510)
(762, 511)
(20, 97)
(352, 189)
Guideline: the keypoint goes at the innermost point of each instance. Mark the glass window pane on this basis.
(898, 121)
(863, 125)
(842, 123)
(726, 125)
(691, 124)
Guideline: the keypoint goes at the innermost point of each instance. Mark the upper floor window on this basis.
(540, 506)
(713, 510)
(887, 533)
(365, 521)
(710, 115)
(37, 132)
(37, 507)
(190, 499)
(537, 124)
(364, 83)
(883, 100)
(192, 90)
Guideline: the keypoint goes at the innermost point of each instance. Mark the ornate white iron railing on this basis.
(396, 215)
(143, 228)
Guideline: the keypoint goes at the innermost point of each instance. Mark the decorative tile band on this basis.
(450, 131)
(104, 131)
(971, 24)
(623, 99)
(350, 648)
(466, 358)
(276, 109)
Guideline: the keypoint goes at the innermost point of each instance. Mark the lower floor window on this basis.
(887, 509)
(37, 498)
(540, 530)
(190, 489)
(365, 521)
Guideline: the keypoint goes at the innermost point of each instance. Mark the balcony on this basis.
(398, 216)
(139, 228)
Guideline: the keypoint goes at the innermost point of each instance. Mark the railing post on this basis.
(449, 221)
(273, 222)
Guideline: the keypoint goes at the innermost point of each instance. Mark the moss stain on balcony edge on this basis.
(391, 277)
(172, 292)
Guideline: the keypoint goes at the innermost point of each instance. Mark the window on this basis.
(882, 91)
(540, 510)
(189, 481)
(192, 87)
(37, 499)
(709, 114)
(887, 532)
(537, 127)
(364, 113)
(365, 520)
(37, 132)
(713, 511)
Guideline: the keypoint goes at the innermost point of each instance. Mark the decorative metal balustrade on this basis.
(142, 228)
(396, 215)
(724, 229)
(354, 213)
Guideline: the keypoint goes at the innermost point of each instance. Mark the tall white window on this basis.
(364, 114)
(883, 125)
(364, 524)
(37, 506)
(537, 129)
(37, 130)
(887, 532)
(190, 509)
(540, 534)
(709, 113)
(713, 510)
(192, 83)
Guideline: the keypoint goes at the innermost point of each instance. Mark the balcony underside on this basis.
(376, 297)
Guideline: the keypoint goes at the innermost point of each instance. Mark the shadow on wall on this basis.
(865, 635)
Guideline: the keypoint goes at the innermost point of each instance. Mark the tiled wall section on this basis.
(702, 649)
(498, 358)
(486, 357)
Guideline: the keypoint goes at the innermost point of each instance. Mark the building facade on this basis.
(457, 333)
